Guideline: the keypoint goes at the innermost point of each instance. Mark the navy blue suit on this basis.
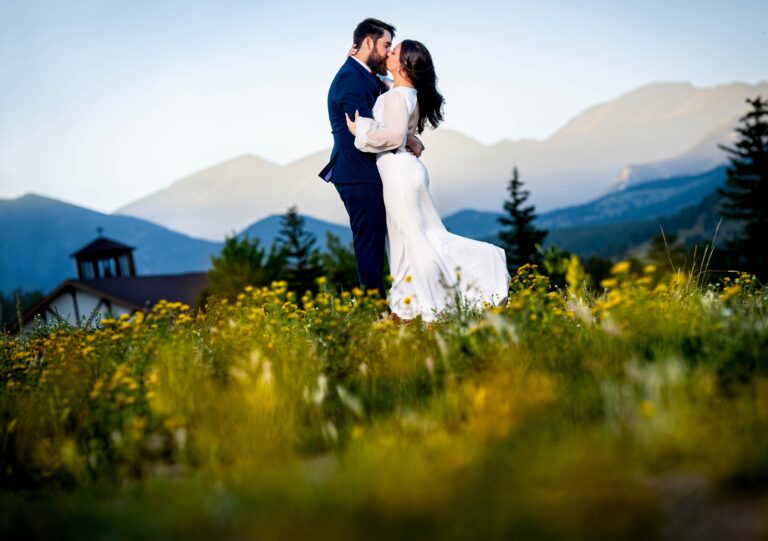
(354, 173)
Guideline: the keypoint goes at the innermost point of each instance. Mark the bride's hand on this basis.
(352, 126)
(414, 145)
(352, 51)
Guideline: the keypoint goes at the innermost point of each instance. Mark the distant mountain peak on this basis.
(31, 196)
(647, 133)
(249, 158)
(243, 160)
(661, 85)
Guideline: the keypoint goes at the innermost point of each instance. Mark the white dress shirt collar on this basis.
(362, 63)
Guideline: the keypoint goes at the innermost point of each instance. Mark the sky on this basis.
(104, 102)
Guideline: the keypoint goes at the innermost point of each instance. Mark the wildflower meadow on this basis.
(627, 412)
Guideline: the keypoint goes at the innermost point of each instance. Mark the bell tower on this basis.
(104, 258)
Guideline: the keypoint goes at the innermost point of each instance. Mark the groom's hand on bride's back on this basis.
(414, 145)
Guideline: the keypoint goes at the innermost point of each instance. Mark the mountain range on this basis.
(43, 232)
(267, 230)
(40, 234)
(642, 201)
(657, 131)
(602, 185)
(697, 224)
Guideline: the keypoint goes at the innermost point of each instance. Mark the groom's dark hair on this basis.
(371, 27)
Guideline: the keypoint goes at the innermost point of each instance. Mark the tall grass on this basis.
(565, 414)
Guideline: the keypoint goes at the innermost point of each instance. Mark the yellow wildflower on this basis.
(729, 293)
(620, 268)
(647, 409)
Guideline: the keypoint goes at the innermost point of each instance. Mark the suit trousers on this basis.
(368, 220)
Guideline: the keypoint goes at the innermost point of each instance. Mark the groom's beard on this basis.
(377, 63)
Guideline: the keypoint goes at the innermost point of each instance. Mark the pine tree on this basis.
(297, 246)
(746, 189)
(518, 236)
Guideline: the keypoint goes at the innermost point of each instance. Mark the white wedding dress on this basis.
(429, 265)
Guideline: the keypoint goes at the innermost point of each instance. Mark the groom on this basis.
(353, 172)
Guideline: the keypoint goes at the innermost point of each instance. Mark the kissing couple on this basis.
(375, 167)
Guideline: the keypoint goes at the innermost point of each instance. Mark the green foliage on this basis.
(519, 238)
(297, 247)
(242, 262)
(293, 256)
(14, 302)
(521, 421)
(554, 263)
(597, 269)
(746, 189)
(339, 263)
(667, 254)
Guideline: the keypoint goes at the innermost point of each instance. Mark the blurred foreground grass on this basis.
(639, 412)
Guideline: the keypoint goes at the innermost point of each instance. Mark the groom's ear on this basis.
(368, 41)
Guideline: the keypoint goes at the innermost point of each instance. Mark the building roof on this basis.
(133, 292)
(146, 291)
(100, 245)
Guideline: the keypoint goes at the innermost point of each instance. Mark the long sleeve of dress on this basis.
(388, 133)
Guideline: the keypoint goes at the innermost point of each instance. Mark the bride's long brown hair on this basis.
(418, 66)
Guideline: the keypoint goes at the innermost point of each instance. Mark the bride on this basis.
(429, 265)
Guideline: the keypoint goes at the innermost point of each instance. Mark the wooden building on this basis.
(108, 286)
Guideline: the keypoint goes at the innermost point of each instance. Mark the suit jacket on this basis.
(353, 89)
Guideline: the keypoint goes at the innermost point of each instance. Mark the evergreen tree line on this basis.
(293, 258)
